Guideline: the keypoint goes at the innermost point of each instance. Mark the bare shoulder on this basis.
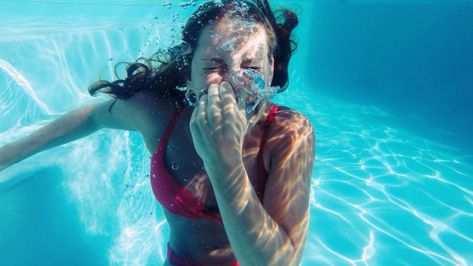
(290, 120)
(290, 128)
(144, 101)
(141, 112)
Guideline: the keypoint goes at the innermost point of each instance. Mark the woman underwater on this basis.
(209, 99)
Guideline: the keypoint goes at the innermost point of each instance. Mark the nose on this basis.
(229, 77)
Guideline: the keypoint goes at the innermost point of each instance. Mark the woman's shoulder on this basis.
(290, 128)
(143, 111)
(151, 104)
(290, 123)
(287, 115)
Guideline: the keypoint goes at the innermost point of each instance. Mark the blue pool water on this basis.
(387, 86)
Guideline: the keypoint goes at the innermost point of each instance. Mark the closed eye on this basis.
(214, 68)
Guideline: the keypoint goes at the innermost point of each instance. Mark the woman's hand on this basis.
(218, 126)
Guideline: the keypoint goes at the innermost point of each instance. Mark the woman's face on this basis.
(227, 46)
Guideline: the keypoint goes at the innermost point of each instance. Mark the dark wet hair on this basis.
(167, 70)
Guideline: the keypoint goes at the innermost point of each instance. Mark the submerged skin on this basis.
(219, 54)
(224, 48)
(271, 233)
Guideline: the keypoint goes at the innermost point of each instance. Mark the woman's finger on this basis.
(194, 123)
(214, 113)
(202, 112)
(226, 93)
(227, 97)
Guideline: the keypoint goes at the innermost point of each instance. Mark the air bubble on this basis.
(174, 166)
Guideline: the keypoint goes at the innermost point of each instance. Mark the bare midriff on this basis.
(200, 240)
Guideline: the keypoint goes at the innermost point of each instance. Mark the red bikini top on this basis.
(177, 199)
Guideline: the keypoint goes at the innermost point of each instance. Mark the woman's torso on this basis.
(197, 239)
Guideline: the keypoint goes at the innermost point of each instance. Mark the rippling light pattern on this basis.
(46, 65)
(381, 194)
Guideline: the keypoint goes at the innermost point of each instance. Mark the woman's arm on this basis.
(272, 232)
(72, 126)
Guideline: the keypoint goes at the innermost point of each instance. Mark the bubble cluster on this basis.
(188, 3)
(252, 88)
